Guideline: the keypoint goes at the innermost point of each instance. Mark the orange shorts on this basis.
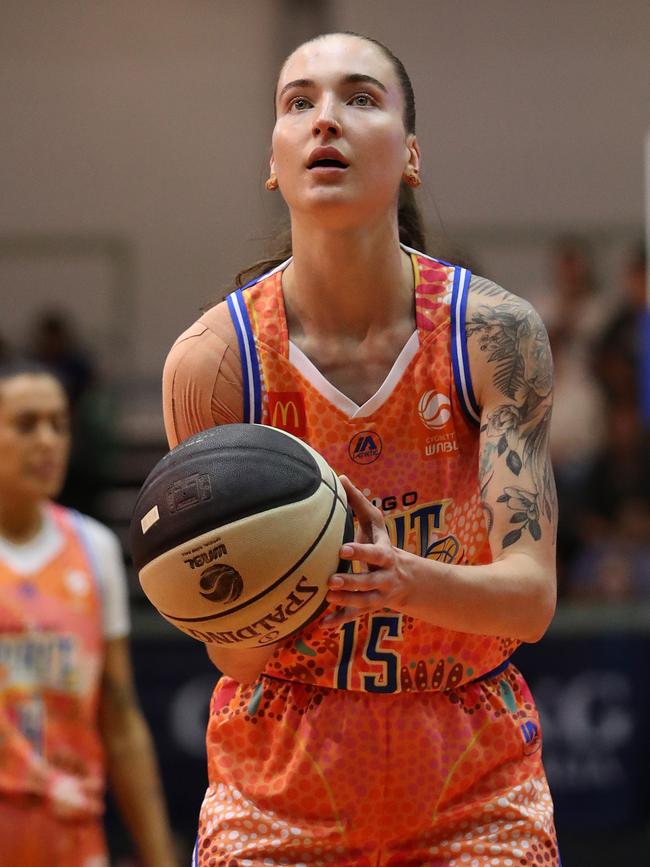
(30, 836)
(306, 775)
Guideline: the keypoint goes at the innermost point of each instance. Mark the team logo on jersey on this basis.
(365, 447)
(444, 550)
(434, 409)
(287, 412)
(423, 530)
(221, 583)
(531, 736)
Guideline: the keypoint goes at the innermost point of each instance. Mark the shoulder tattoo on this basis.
(514, 340)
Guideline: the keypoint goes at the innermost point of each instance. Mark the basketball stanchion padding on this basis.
(235, 533)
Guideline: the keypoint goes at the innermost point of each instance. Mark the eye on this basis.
(61, 425)
(362, 99)
(300, 103)
(25, 424)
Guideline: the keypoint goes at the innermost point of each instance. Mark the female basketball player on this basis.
(66, 691)
(394, 730)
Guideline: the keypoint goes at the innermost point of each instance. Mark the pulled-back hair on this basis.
(25, 367)
(409, 218)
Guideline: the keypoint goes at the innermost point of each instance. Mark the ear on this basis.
(413, 153)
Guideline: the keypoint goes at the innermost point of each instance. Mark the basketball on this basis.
(235, 533)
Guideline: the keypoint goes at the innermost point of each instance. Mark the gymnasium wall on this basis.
(143, 127)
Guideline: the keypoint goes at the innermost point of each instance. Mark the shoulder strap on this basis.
(250, 365)
(248, 354)
(459, 355)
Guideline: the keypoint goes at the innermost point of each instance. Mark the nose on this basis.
(326, 123)
(47, 435)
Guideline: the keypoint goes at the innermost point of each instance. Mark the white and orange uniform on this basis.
(389, 740)
(54, 619)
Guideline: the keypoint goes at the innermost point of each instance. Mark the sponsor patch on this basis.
(365, 447)
(287, 412)
(434, 410)
(436, 433)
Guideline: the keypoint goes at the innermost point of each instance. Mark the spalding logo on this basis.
(221, 583)
(434, 409)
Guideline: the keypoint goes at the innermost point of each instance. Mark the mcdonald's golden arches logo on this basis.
(287, 412)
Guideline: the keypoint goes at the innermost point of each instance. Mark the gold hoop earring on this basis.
(271, 183)
(412, 178)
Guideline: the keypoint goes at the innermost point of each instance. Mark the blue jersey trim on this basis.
(247, 349)
(233, 307)
(252, 387)
(459, 354)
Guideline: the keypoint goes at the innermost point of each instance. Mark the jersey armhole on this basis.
(82, 534)
(250, 365)
(251, 381)
(459, 354)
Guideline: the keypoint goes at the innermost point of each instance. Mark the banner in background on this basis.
(592, 693)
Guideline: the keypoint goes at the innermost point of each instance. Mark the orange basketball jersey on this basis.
(51, 651)
(412, 449)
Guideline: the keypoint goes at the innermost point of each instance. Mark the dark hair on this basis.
(26, 367)
(409, 218)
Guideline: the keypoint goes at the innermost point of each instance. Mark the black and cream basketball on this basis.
(235, 533)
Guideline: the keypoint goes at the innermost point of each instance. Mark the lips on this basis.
(326, 158)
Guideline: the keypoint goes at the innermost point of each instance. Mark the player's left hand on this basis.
(382, 583)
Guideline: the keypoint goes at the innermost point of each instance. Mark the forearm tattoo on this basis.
(516, 344)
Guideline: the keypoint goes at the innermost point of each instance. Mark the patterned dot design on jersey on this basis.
(431, 501)
(296, 780)
(410, 760)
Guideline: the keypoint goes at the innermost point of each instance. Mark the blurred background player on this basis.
(395, 730)
(68, 709)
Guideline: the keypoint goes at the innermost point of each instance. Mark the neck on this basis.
(20, 522)
(347, 282)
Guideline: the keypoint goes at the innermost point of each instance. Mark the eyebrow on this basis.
(351, 78)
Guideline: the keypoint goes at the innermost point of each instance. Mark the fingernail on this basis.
(347, 551)
(336, 581)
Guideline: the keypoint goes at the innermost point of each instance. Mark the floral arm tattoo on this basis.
(516, 431)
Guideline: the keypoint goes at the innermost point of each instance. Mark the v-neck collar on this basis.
(340, 400)
(330, 392)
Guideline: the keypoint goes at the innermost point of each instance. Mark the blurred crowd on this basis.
(599, 438)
